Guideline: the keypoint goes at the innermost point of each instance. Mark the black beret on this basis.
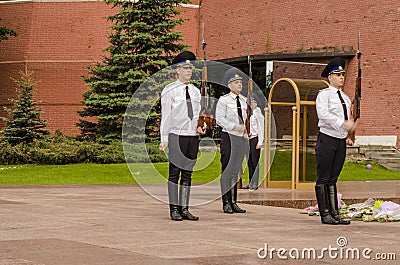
(184, 58)
(336, 65)
(231, 75)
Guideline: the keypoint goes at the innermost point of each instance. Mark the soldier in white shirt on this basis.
(180, 107)
(335, 123)
(256, 142)
(230, 114)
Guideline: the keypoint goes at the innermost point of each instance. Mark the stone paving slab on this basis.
(121, 224)
(352, 192)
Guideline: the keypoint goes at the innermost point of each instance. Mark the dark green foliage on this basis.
(24, 124)
(60, 149)
(142, 41)
(5, 32)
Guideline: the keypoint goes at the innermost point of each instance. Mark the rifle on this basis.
(357, 97)
(249, 111)
(203, 118)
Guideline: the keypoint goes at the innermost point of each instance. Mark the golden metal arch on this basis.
(303, 90)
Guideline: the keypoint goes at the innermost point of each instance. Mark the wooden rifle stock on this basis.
(249, 110)
(202, 115)
(357, 96)
(204, 120)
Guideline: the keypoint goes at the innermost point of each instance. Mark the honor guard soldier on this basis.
(180, 107)
(256, 142)
(333, 109)
(230, 113)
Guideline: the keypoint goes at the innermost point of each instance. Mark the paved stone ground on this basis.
(352, 192)
(99, 224)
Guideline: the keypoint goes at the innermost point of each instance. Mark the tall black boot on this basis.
(227, 202)
(184, 196)
(323, 205)
(173, 201)
(333, 204)
(235, 207)
(226, 195)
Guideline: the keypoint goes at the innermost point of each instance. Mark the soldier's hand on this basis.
(163, 145)
(349, 142)
(349, 125)
(201, 131)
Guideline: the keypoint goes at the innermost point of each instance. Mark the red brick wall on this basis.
(191, 29)
(296, 25)
(57, 41)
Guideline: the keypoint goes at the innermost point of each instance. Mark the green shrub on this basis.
(60, 149)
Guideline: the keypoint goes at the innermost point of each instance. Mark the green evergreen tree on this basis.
(5, 32)
(24, 124)
(143, 41)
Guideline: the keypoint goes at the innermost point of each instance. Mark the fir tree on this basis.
(143, 41)
(24, 124)
(5, 32)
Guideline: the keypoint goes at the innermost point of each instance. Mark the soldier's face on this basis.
(336, 80)
(236, 86)
(184, 73)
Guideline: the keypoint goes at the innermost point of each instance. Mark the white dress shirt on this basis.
(226, 114)
(174, 112)
(257, 125)
(330, 112)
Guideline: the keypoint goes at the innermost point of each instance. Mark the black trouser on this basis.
(252, 163)
(330, 154)
(182, 155)
(233, 149)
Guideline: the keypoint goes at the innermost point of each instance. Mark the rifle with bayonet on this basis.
(249, 111)
(357, 97)
(204, 119)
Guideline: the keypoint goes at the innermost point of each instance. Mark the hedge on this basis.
(61, 149)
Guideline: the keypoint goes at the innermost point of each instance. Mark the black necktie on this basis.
(343, 105)
(239, 110)
(189, 103)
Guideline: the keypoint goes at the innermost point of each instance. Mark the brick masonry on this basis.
(295, 26)
(58, 40)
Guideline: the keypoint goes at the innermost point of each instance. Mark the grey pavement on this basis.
(121, 224)
(352, 192)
